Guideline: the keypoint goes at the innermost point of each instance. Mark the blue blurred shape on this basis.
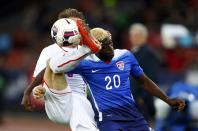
(186, 41)
(5, 43)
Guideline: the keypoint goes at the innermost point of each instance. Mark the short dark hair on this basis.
(71, 12)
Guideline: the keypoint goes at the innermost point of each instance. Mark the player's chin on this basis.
(109, 53)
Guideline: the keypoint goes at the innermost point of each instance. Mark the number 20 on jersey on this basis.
(112, 81)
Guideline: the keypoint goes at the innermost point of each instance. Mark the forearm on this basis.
(66, 62)
(38, 80)
(153, 89)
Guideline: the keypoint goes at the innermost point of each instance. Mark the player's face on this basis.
(107, 51)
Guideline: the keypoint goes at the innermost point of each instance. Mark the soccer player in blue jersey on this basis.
(107, 74)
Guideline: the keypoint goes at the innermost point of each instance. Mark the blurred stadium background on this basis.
(25, 30)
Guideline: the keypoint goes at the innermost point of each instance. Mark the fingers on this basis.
(177, 108)
(38, 93)
(180, 105)
(38, 96)
(177, 104)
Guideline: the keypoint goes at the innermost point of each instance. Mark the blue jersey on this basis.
(110, 85)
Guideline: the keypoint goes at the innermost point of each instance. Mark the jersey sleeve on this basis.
(41, 62)
(77, 69)
(136, 70)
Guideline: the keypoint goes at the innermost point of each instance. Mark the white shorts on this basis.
(58, 104)
(82, 118)
(69, 108)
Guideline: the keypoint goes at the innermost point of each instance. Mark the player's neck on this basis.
(105, 57)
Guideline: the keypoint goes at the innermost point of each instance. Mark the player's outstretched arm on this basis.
(26, 100)
(68, 61)
(154, 90)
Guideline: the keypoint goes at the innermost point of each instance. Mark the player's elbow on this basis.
(54, 67)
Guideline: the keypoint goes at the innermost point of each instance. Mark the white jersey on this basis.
(75, 81)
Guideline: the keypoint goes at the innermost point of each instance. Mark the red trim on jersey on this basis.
(56, 92)
(71, 61)
(43, 82)
(62, 48)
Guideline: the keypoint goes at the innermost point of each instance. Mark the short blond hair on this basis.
(99, 33)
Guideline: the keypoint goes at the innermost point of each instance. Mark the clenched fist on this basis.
(177, 104)
(38, 92)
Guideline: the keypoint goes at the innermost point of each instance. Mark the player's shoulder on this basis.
(122, 53)
(50, 47)
(118, 53)
(49, 50)
(92, 57)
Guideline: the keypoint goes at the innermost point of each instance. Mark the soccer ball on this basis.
(65, 32)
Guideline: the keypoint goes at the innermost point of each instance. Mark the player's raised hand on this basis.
(88, 40)
(38, 92)
(177, 104)
(26, 101)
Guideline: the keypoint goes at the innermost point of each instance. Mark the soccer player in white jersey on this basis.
(72, 108)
